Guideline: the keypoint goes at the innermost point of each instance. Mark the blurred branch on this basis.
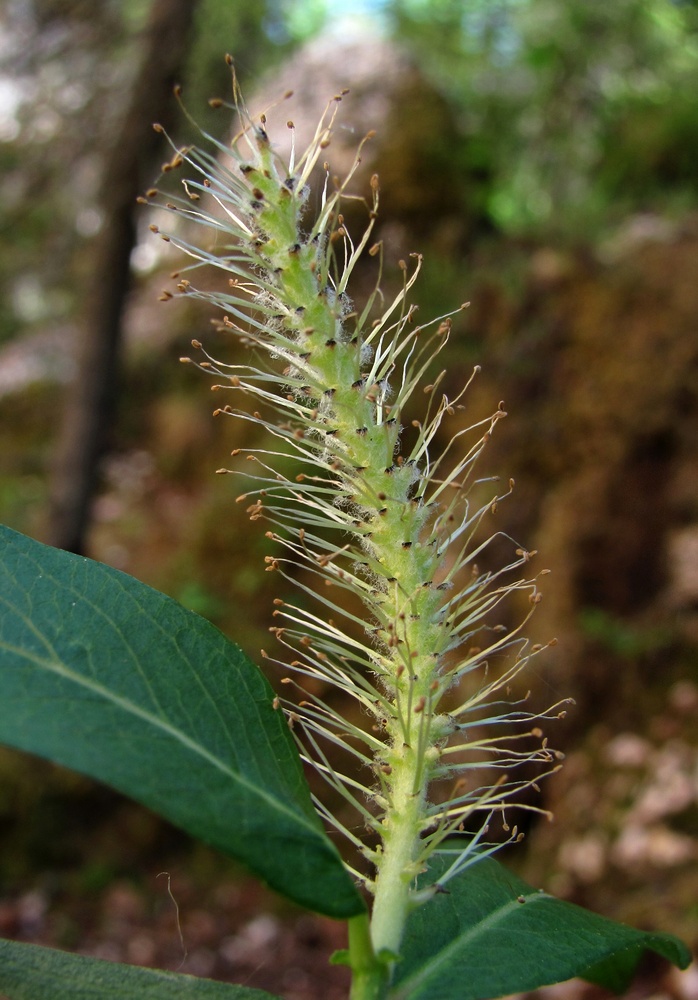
(90, 402)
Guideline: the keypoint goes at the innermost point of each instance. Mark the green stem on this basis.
(396, 862)
(369, 976)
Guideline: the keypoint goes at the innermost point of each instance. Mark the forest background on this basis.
(544, 159)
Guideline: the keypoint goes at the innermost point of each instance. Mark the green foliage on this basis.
(104, 675)
(31, 973)
(573, 113)
(258, 31)
(492, 935)
(68, 68)
(619, 637)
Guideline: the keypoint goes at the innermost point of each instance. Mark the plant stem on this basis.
(369, 976)
(396, 861)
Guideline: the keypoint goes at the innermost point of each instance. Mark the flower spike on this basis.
(369, 517)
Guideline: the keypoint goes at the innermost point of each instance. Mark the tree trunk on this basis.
(90, 402)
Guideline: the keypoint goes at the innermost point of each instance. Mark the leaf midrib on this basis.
(59, 668)
(407, 985)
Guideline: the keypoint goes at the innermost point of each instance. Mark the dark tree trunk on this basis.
(90, 403)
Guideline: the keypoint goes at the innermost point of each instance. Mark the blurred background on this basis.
(543, 156)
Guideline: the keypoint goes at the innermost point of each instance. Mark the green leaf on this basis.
(490, 934)
(28, 972)
(113, 679)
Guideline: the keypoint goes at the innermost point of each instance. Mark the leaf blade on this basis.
(31, 972)
(492, 935)
(113, 679)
